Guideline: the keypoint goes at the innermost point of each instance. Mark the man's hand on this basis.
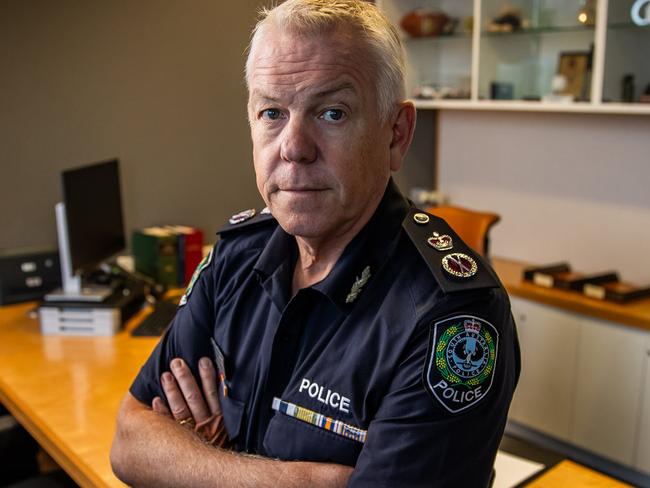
(150, 450)
(191, 407)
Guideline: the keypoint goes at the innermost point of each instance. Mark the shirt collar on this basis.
(368, 250)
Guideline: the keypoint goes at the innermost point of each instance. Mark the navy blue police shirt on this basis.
(391, 364)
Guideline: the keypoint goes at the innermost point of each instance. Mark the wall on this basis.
(570, 187)
(157, 83)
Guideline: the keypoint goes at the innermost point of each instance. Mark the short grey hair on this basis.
(313, 17)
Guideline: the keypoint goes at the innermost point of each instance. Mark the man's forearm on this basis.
(151, 450)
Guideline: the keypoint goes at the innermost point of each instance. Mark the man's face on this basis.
(321, 152)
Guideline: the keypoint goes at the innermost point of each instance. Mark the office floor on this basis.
(23, 465)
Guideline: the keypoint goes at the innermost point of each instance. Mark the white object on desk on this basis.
(512, 470)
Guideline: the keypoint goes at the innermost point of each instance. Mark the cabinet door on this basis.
(643, 451)
(627, 71)
(519, 59)
(548, 339)
(608, 389)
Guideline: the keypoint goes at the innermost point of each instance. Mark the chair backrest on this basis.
(472, 226)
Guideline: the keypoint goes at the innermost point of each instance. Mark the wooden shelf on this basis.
(524, 106)
(635, 313)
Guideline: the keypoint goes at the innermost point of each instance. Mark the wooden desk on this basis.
(66, 390)
(635, 313)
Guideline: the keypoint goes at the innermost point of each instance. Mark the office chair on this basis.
(472, 226)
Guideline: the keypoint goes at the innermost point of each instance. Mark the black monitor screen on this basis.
(93, 209)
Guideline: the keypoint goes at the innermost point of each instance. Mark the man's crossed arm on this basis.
(155, 447)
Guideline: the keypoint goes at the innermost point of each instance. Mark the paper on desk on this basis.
(512, 470)
(126, 262)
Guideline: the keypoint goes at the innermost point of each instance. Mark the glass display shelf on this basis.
(563, 28)
(541, 30)
(602, 56)
(442, 38)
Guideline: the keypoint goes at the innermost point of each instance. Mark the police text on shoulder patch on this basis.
(461, 361)
(197, 272)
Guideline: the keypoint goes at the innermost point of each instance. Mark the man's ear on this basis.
(403, 129)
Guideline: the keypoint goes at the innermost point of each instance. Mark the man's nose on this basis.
(298, 144)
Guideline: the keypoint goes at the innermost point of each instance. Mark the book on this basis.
(155, 250)
(190, 251)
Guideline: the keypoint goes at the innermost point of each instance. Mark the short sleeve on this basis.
(188, 336)
(419, 440)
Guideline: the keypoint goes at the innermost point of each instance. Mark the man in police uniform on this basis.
(342, 336)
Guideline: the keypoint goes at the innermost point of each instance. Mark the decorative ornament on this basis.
(421, 218)
(242, 216)
(440, 242)
(265, 211)
(358, 285)
(459, 265)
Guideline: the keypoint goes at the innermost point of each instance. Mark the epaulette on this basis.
(246, 220)
(455, 266)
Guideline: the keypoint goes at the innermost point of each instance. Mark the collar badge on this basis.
(421, 218)
(459, 265)
(440, 242)
(358, 285)
(265, 211)
(243, 216)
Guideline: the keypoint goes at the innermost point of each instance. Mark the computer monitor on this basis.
(93, 208)
(90, 227)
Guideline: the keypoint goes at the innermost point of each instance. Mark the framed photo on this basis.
(574, 66)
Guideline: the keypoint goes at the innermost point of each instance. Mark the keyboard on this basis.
(157, 321)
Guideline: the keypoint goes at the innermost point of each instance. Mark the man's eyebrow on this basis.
(346, 86)
(260, 96)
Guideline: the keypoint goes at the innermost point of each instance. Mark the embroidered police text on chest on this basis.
(326, 396)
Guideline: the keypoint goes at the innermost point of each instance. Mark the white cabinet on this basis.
(642, 461)
(475, 65)
(548, 339)
(609, 380)
(584, 381)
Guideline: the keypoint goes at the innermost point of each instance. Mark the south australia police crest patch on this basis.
(461, 361)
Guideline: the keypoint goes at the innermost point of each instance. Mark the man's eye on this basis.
(271, 114)
(333, 114)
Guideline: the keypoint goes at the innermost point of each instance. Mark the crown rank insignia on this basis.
(243, 216)
(440, 242)
(472, 325)
(459, 265)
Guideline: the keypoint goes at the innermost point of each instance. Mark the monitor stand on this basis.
(95, 294)
(72, 290)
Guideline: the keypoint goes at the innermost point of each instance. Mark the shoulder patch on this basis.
(455, 266)
(461, 360)
(197, 272)
(246, 219)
